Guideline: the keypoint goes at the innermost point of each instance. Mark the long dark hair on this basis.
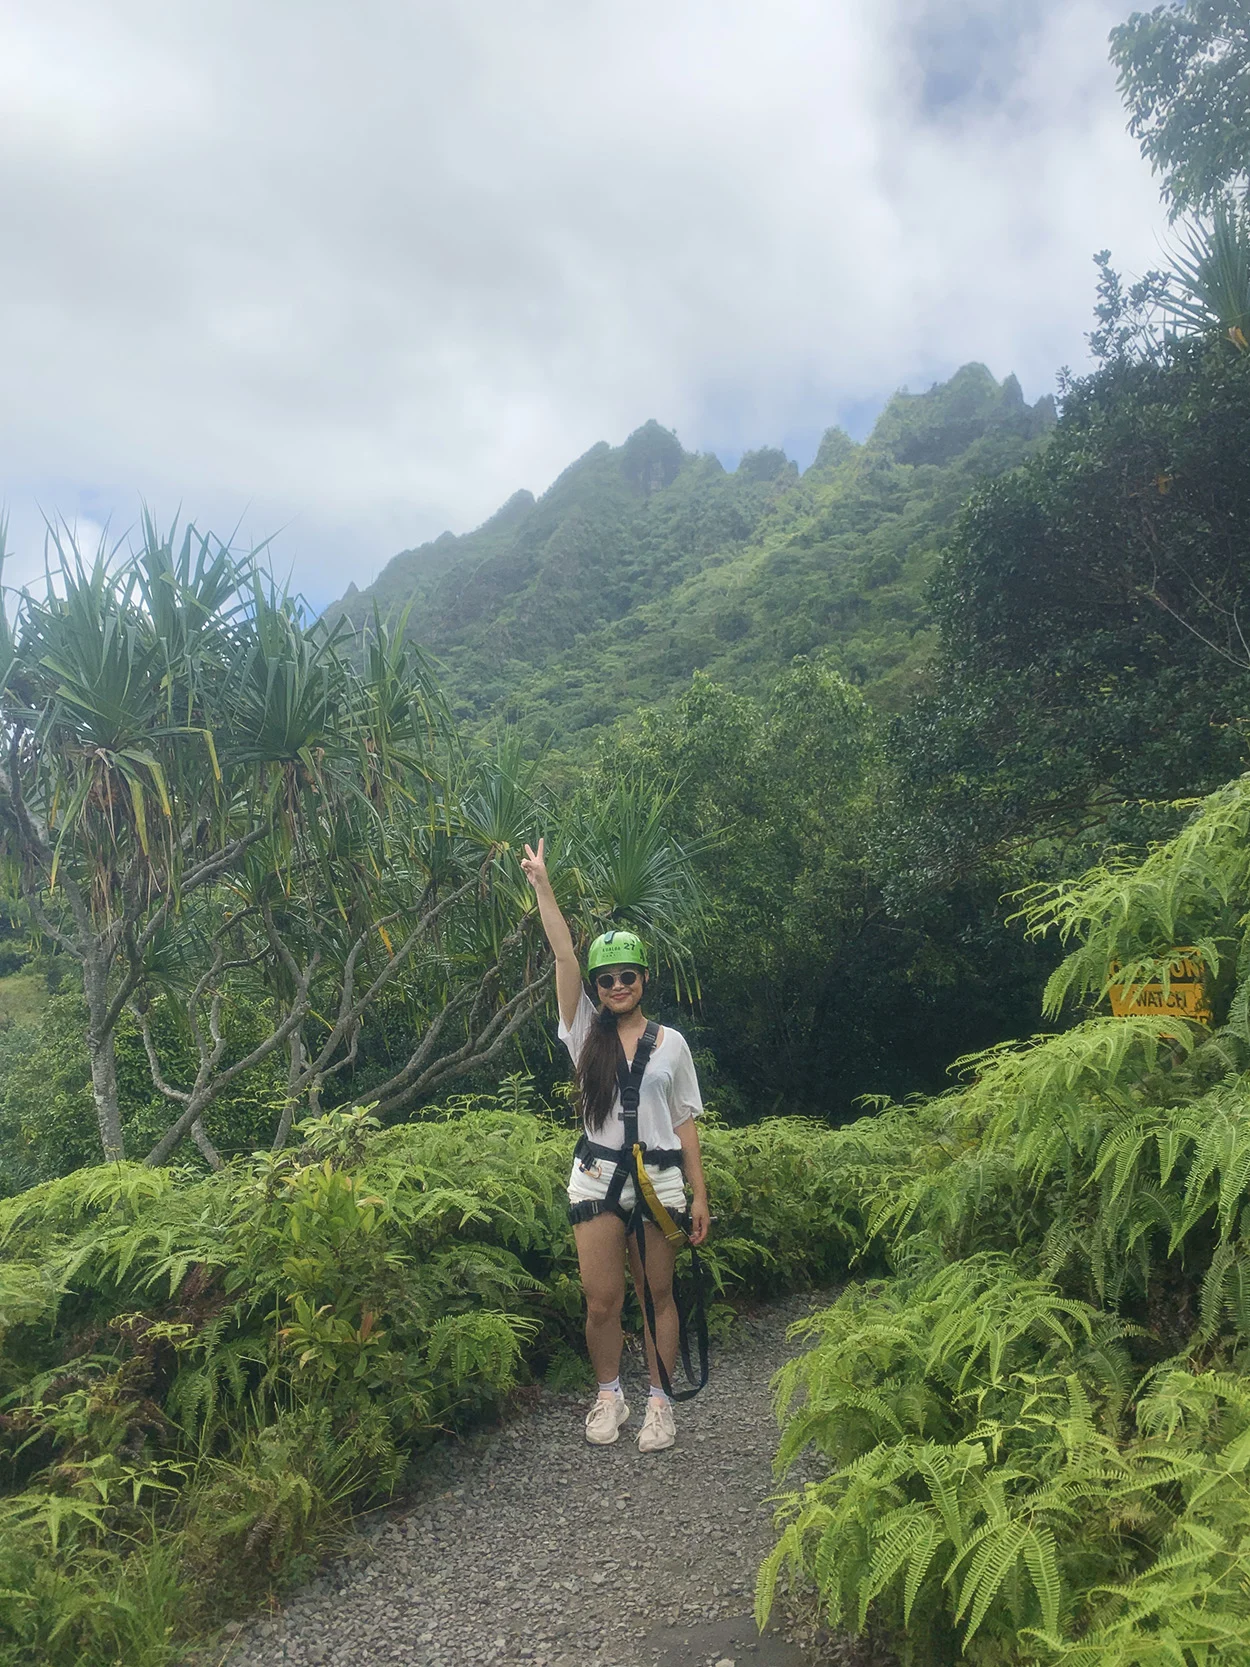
(596, 1069)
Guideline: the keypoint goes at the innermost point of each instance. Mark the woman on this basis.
(668, 1103)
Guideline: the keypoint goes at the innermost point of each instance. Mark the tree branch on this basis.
(348, 1015)
(212, 1156)
(213, 867)
(154, 1065)
(44, 922)
(411, 1069)
(211, 1089)
(211, 975)
(296, 1044)
(477, 1051)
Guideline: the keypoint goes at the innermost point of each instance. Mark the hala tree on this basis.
(444, 930)
(205, 799)
(114, 805)
(208, 801)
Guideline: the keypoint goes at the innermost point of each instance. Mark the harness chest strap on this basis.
(629, 1081)
(629, 1077)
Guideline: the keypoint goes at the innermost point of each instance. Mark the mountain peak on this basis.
(652, 457)
(835, 447)
(937, 425)
(767, 463)
(516, 508)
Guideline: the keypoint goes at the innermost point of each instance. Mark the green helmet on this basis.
(617, 949)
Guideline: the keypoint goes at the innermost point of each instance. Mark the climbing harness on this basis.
(629, 1161)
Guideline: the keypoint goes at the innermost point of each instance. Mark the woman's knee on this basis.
(663, 1303)
(603, 1306)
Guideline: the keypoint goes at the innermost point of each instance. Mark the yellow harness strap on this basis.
(646, 1190)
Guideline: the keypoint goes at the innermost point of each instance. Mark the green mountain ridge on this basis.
(644, 562)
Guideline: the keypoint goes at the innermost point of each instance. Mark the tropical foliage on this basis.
(1089, 607)
(1036, 1432)
(808, 969)
(1185, 75)
(203, 1375)
(1210, 277)
(250, 837)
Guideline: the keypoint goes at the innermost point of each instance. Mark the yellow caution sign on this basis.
(1185, 995)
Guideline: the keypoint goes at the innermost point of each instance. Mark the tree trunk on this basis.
(103, 1058)
(104, 1093)
(212, 1157)
(295, 1046)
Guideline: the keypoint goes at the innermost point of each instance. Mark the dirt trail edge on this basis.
(525, 1547)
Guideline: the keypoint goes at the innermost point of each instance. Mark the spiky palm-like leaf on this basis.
(1209, 288)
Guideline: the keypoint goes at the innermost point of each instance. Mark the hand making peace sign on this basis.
(533, 866)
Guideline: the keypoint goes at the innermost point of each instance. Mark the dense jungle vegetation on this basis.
(888, 760)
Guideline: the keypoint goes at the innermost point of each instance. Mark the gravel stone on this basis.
(528, 1547)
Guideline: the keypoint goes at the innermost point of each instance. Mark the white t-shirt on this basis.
(669, 1095)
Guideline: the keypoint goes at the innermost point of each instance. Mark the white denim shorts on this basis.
(589, 1183)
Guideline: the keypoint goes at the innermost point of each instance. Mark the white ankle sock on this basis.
(613, 1388)
(657, 1394)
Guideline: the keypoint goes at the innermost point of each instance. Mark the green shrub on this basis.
(220, 1368)
(1033, 1439)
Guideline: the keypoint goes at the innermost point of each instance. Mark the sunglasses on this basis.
(608, 980)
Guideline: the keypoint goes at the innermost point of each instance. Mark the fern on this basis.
(45, 1212)
(1135, 914)
(1007, 1476)
(480, 1346)
(28, 1292)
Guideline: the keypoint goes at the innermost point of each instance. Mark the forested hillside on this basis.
(644, 563)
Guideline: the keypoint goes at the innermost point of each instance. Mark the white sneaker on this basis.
(604, 1420)
(658, 1429)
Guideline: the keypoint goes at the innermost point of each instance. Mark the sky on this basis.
(346, 275)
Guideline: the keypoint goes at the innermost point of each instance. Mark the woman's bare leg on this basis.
(600, 1246)
(661, 1257)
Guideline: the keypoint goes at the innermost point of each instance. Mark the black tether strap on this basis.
(629, 1161)
(683, 1329)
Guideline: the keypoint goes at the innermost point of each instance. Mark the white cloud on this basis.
(368, 269)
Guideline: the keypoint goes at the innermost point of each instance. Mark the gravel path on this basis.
(526, 1547)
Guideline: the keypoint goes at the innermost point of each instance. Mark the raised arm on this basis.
(568, 972)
